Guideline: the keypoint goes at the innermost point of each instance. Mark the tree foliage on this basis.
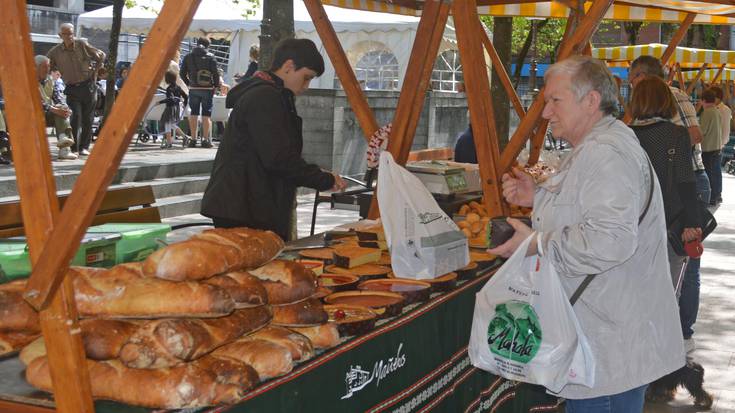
(548, 35)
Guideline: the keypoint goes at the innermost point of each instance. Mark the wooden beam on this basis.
(691, 86)
(39, 207)
(537, 141)
(502, 73)
(718, 74)
(678, 36)
(413, 92)
(482, 118)
(113, 142)
(336, 53)
(581, 36)
(680, 76)
(672, 73)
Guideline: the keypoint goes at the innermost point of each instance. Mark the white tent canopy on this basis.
(359, 31)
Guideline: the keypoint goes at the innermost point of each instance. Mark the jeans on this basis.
(689, 296)
(82, 100)
(712, 164)
(630, 401)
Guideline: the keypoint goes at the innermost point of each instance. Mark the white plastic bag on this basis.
(525, 329)
(424, 242)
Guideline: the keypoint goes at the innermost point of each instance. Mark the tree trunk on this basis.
(277, 24)
(632, 29)
(502, 38)
(523, 53)
(117, 9)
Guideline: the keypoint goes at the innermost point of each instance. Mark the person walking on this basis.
(78, 61)
(711, 123)
(199, 72)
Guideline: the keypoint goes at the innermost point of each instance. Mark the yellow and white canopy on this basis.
(709, 74)
(685, 56)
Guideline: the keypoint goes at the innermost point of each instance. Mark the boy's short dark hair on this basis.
(708, 96)
(303, 52)
(203, 41)
(170, 77)
(649, 65)
(718, 91)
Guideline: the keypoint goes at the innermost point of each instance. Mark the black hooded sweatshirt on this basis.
(258, 165)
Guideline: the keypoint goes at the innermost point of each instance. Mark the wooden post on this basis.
(502, 74)
(40, 207)
(718, 74)
(691, 86)
(678, 36)
(411, 101)
(342, 67)
(482, 117)
(113, 142)
(680, 77)
(581, 36)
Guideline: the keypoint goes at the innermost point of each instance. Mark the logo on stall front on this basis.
(427, 217)
(357, 378)
(514, 333)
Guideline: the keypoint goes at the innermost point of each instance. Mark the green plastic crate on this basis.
(138, 240)
(96, 250)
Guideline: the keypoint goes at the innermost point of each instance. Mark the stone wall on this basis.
(333, 138)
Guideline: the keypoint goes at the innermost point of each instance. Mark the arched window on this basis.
(447, 73)
(377, 70)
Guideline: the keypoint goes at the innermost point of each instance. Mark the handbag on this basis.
(676, 228)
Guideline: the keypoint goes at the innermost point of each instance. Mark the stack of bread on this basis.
(198, 323)
(18, 320)
(474, 224)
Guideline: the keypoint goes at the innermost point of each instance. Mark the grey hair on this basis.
(589, 74)
(68, 25)
(41, 59)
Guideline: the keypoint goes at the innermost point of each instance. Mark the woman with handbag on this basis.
(652, 107)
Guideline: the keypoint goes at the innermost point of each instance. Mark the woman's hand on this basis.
(519, 188)
(522, 231)
(690, 234)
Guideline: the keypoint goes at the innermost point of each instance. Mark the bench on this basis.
(129, 204)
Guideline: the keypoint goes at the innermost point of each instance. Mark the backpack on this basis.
(201, 74)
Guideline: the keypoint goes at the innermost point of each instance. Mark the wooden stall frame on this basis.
(693, 83)
(499, 68)
(677, 37)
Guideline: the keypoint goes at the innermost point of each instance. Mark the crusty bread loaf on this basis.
(168, 342)
(322, 337)
(286, 281)
(204, 382)
(299, 345)
(194, 259)
(308, 312)
(255, 247)
(267, 358)
(32, 351)
(103, 339)
(15, 340)
(16, 314)
(122, 292)
(247, 290)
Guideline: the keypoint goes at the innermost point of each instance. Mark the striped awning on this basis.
(672, 11)
(686, 56)
(709, 74)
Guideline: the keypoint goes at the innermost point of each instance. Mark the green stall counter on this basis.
(138, 240)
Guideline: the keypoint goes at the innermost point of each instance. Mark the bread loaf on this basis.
(194, 259)
(286, 281)
(15, 313)
(308, 312)
(15, 340)
(267, 358)
(255, 247)
(299, 345)
(103, 339)
(204, 382)
(168, 342)
(247, 290)
(123, 292)
(32, 351)
(322, 337)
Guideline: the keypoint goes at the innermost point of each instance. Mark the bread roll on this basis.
(322, 337)
(267, 358)
(168, 342)
(195, 259)
(308, 312)
(123, 292)
(16, 314)
(247, 290)
(32, 351)
(255, 247)
(15, 340)
(299, 345)
(204, 382)
(286, 281)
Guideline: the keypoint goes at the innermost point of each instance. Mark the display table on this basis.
(415, 362)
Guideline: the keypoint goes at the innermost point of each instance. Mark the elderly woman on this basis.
(586, 220)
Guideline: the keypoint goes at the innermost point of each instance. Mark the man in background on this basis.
(55, 109)
(199, 72)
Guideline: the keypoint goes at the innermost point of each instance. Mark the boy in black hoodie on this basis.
(258, 164)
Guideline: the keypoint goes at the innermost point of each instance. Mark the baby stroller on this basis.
(153, 113)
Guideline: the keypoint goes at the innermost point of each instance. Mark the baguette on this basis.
(246, 290)
(267, 358)
(16, 314)
(123, 292)
(322, 336)
(205, 382)
(169, 342)
(286, 281)
(195, 259)
(15, 340)
(308, 312)
(299, 345)
(255, 247)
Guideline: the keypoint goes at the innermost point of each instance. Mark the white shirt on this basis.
(725, 117)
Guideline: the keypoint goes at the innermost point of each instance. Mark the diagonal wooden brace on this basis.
(113, 142)
(677, 37)
(502, 73)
